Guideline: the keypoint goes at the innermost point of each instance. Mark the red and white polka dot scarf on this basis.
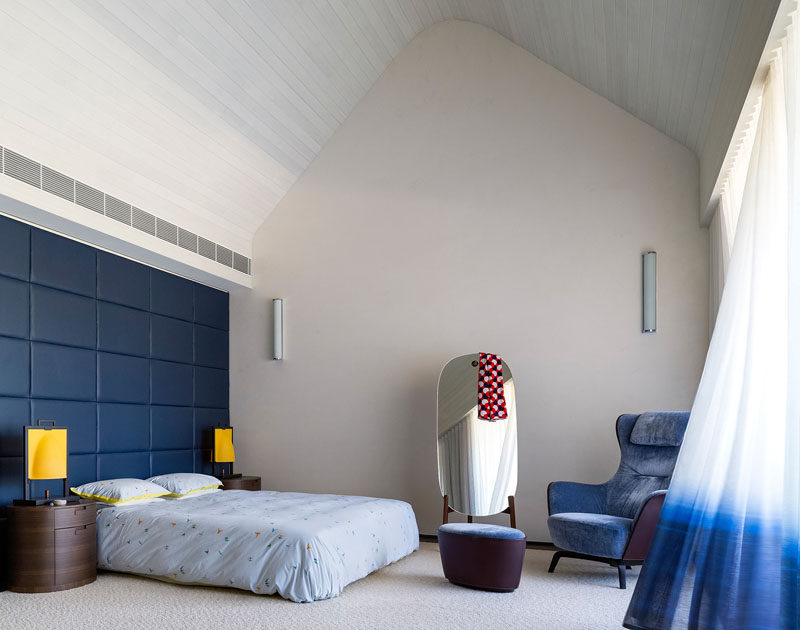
(491, 399)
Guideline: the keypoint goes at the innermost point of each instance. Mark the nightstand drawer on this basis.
(242, 483)
(75, 554)
(75, 515)
(51, 547)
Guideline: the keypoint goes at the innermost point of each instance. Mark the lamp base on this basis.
(47, 500)
(235, 476)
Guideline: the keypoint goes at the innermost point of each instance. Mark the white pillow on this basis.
(119, 491)
(181, 484)
(193, 494)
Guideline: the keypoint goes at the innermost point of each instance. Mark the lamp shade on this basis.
(47, 453)
(223, 445)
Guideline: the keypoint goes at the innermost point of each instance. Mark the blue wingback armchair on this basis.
(613, 522)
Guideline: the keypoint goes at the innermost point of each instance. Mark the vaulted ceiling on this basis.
(204, 112)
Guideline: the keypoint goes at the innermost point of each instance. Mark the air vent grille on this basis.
(31, 172)
(167, 231)
(58, 184)
(143, 221)
(187, 240)
(22, 168)
(206, 248)
(240, 262)
(118, 210)
(224, 256)
(89, 197)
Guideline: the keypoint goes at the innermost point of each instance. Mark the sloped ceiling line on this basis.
(234, 98)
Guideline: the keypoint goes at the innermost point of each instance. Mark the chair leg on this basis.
(556, 557)
(613, 562)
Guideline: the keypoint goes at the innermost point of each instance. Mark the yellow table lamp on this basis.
(223, 451)
(45, 458)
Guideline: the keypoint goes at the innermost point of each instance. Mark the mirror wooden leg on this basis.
(446, 509)
(510, 510)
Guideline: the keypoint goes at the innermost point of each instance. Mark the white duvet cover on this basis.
(302, 546)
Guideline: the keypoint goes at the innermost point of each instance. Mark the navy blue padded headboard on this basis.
(132, 359)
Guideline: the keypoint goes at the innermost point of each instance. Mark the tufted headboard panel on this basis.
(132, 359)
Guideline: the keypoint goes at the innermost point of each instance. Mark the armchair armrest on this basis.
(644, 527)
(570, 496)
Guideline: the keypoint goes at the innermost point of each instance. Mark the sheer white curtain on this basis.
(725, 554)
(719, 248)
(722, 228)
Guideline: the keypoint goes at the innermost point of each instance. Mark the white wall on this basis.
(476, 199)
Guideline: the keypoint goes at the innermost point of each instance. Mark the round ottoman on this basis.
(482, 556)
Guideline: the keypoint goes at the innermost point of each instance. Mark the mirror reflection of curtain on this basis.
(478, 460)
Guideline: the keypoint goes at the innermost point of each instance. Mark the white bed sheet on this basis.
(304, 547)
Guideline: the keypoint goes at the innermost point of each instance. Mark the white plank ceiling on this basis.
(204, 112)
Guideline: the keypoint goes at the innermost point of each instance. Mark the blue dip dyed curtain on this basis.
(725, 553)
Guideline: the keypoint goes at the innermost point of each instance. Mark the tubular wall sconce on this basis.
(649, 292)
(277, 329)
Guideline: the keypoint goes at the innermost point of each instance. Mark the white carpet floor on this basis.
(410, 594)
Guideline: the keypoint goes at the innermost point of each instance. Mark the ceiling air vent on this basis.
(22, 168)
(167, 231)
(240, 262)
(31, 172)
(206, 248)
(118, 210)
(187, 240)
(89, 197)
(224, 256)
(143, 221)
(58, 184)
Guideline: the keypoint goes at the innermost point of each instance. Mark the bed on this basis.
(304, 547)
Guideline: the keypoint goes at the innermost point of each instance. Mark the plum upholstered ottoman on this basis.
(482, 556)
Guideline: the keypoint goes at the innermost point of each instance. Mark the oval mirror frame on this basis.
(477, 459)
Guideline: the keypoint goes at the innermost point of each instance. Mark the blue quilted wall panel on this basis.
(132, 359)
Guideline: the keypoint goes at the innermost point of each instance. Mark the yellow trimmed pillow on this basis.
(184, 484)
(195, 493)
(119, 491)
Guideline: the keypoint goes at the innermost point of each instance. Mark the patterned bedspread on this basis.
(302, 546)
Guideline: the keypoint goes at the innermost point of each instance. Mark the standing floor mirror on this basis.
(477, 450)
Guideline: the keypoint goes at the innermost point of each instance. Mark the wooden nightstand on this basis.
(241, 483)
(51, 548)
